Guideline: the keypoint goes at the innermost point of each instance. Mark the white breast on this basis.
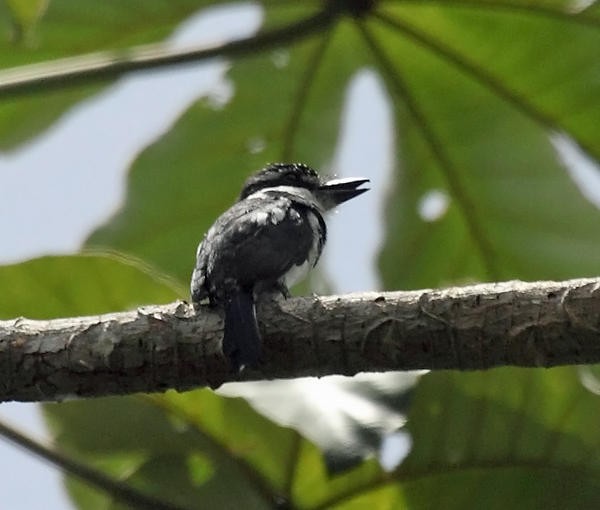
(297, 273)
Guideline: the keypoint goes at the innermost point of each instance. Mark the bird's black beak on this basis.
(336, 191)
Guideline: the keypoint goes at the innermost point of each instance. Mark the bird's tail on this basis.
(241, 340)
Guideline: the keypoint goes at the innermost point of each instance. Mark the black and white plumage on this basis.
(265, 242)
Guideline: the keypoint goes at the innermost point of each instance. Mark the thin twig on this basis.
(118, 490)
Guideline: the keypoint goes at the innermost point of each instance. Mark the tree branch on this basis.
(154, 348)
(104, 65)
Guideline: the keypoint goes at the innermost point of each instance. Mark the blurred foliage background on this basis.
(496, 108)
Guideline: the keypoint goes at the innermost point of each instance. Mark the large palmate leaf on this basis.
(478, 94)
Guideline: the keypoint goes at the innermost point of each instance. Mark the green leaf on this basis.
(506, 438)
(475, 114)
(87, 284)
(197, 447)
(544, 67)
(74, 27)
(517, 438)
(164, 449)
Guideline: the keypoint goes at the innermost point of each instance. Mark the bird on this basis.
(263, 244)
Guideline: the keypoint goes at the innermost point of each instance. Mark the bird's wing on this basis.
(251, 244)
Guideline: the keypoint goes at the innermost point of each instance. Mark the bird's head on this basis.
(298, 175)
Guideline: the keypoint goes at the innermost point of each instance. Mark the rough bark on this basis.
(539, 324)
